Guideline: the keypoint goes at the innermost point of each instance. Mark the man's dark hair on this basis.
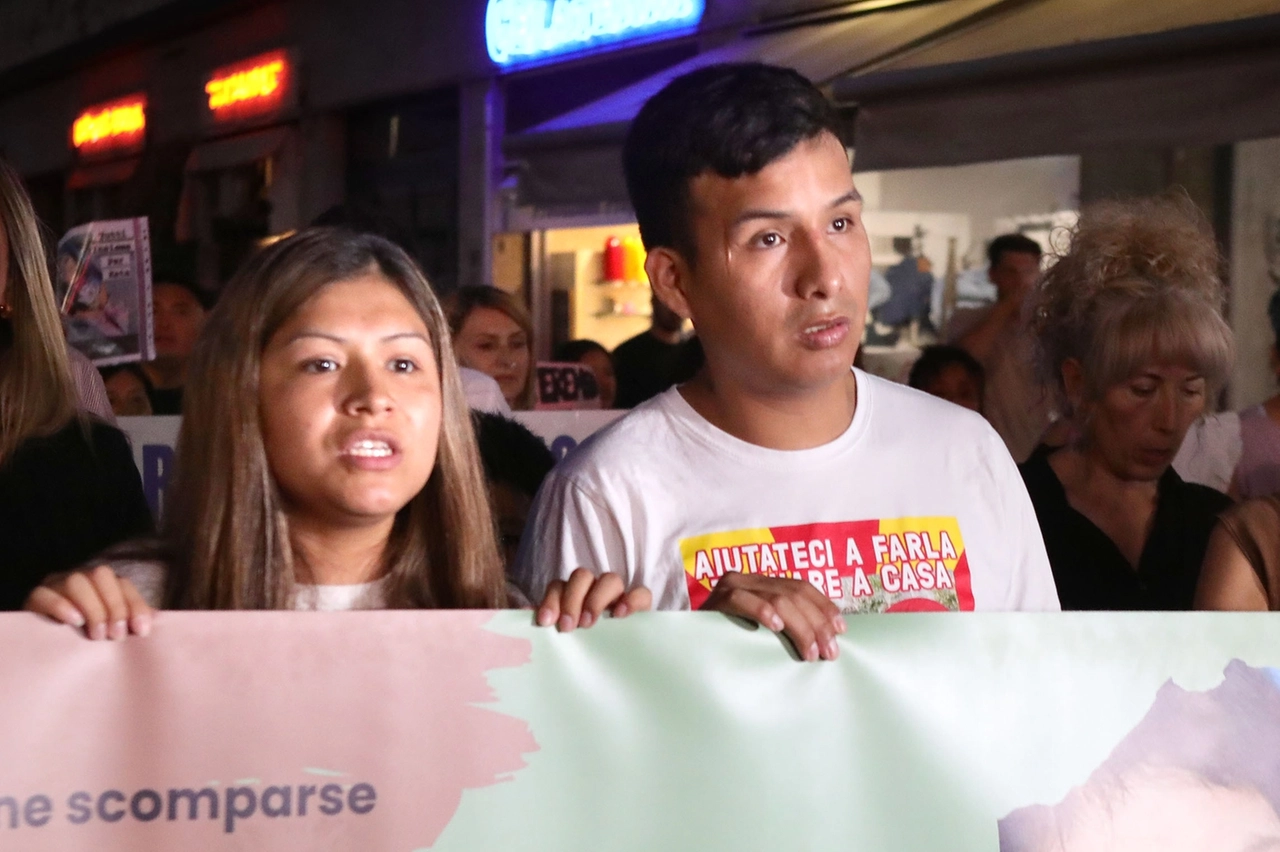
(732, 120)
(572, 351)
(510, 453)
(1016, 243)
(934, 359)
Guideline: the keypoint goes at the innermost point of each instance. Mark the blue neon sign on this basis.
(525, 30)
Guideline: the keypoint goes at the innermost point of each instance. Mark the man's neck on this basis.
(794, 421)
(671, 338)
(166, 373)
(325, 555)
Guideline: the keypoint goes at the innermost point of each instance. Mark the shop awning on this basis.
(237, 150)
(573, 160)
(1037, 77)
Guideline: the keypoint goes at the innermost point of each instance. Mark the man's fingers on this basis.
(50, 604)
(603, 591)
(798, 627)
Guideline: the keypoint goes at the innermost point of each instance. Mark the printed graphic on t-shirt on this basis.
(886, 565)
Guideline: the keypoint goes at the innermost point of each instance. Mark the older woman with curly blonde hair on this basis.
(1130, 334)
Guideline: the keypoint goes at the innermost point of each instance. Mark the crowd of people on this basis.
(345, 440)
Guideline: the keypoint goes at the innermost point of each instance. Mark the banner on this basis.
(407, 731)
(154, 438)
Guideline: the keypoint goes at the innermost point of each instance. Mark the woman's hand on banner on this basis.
(581, 600)
(806, 616)
(106, 605)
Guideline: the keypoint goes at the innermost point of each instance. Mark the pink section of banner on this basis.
(251, 731)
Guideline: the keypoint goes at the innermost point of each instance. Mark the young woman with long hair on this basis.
(326, 459)
(492, 333)
(68, 485)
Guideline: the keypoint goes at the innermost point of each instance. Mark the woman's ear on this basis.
(1073, 382)
(669, 277)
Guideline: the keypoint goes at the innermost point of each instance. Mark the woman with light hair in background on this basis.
(68, 484)
(1130, 334)
(492, 333)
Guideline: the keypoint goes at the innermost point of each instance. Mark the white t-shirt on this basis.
(482, 392)
(149, 577)
(917, 506)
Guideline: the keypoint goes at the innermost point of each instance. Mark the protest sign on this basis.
(154, 438)
(566, 387)
(103, 288)
(470, 730)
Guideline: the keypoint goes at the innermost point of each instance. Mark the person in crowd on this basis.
(128, 389)
(950, 373)
(326, 460)
(1241, 568)
(998, 335)
(482, 392)
(1129, 325)
(596, 358)
(780, 484)
(179, 311)
(515, 462)
(655, 359)
(1257, 473)
(492, 333)
(68, 484)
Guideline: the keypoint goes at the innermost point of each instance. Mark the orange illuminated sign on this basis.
(110, 126)
(251, 87)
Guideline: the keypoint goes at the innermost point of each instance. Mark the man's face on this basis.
(1014, 272)
(778, 291)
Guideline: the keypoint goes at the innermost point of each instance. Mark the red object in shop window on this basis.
(615, 260)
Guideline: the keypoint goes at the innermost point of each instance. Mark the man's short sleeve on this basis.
(568, 529)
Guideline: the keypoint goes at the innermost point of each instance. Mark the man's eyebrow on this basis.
(749, 215)
(851, 195)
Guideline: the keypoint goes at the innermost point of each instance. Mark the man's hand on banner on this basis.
(792, 607)
(584, 597)
(105, 605)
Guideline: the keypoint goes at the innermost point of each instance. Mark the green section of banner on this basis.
(690, 733)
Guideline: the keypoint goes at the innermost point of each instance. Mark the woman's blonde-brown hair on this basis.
(37, 396)
(1139, 284)
(460, 303)
(226, 534)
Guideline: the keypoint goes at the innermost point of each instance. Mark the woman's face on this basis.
(602, 366)
(1138, 424)
(127, 395)
(492, 342)
(350, 405)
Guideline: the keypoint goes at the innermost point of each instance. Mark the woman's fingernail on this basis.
(566, 623)
(833, 649)
(812, 654)
(546, 618)
(119, 629)
(98, 631)
(77, 619)
(141, 625)
(841, 627)
(587, 619)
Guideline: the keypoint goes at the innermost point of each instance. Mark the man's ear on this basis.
(669, 277)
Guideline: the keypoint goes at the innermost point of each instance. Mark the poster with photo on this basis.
(103, 288)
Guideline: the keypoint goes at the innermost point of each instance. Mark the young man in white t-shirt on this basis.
(779, 484)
